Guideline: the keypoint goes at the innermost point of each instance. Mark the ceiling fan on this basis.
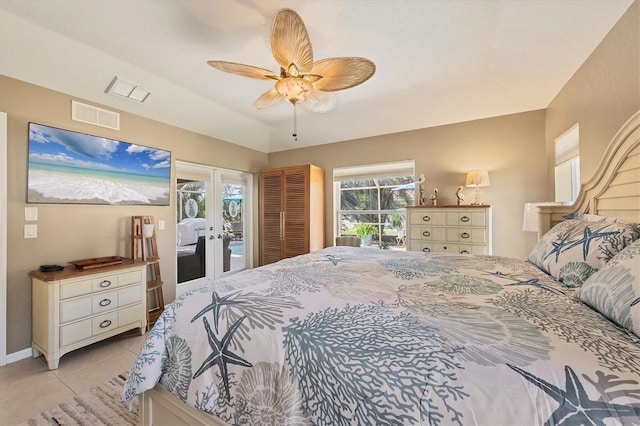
(301, 80)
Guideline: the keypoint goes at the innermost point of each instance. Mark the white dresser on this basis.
(73, 308)
(449, 229)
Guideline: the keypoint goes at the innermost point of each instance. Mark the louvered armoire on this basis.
(291, 212)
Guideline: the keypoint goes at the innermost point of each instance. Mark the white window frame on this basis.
(369, 171)
(567, 165)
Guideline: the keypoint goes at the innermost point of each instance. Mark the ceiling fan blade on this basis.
(318, 101)
(342, 73)
(244, 70)
(290, 43)
(267, 99)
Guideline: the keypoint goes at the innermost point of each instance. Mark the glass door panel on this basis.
(213, 223)
(191, 229)
(234, 194)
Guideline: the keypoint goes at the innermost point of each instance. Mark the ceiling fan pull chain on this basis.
(295, 123)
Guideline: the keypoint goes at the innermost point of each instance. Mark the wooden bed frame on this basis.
(613, 191)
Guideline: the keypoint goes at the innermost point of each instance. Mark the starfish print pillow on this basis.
(614, 291)
(574, 249)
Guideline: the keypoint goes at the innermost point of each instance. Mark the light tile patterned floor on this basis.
(27, 387)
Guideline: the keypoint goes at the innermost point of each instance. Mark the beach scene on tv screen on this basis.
(70, 167)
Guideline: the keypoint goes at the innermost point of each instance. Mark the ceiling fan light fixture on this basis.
(294, 89)
(293, 71)
(300, 79)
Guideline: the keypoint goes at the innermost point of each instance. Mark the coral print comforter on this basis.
(361, 336)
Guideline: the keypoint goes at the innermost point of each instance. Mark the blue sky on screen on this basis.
(51, 145)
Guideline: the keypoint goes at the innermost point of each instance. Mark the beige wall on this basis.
(71, 232)
(601, 96)
(511, 147)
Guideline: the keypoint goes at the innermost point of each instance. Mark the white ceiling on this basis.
(438, 61)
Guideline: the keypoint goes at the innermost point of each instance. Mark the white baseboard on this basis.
(18, 356)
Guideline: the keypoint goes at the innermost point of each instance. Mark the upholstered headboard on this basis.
(614, 189)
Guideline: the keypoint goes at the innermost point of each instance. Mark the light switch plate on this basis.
(161, 225)
(31, 231)
(30, 213)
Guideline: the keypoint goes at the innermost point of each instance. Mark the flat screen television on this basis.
(67, 167)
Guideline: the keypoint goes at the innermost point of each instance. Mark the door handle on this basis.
(219, 236)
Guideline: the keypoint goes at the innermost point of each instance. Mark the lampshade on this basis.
(530, 220)
(294, 89)
(478, 178)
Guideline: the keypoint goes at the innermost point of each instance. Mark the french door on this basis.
(213, 223)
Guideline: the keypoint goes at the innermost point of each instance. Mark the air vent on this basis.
(94, 115)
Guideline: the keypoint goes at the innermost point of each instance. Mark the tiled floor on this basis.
(27, 387)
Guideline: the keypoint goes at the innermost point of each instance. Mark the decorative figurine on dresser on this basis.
(85, 302)
(434, 197)
(460, 195)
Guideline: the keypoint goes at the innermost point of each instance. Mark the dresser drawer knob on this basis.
(105, 283)
(426, 234)
(464, 235)
(465, 219)
(464, 252)
(105, 302)
(426, 218)
(426, 250)
(105, 323)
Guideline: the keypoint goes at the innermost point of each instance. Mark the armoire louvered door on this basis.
(271, 211)
(291, 212)
(296, 207)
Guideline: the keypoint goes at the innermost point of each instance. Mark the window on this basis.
(567, 170)
(377, 195)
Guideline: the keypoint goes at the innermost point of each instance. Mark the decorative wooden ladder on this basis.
(144, 246)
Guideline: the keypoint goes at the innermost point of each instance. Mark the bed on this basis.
(349, 335)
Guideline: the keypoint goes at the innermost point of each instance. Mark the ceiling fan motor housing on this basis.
(294, 89)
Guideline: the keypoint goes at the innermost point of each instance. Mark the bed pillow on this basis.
(592, 217)
(614, 291)
(574, 249)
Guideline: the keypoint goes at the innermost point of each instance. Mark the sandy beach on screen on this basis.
(47, 187)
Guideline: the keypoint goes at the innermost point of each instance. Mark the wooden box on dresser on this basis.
(291, 212)
(449, 229)
(73, 308)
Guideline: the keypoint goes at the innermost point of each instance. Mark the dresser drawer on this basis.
(85, 329)
(75, 332)
(421, 245)
(130, 315)
(129, 295)
(473, 249)
(127, 278)
(466, 218)
(104, 283)
(91, 285)
(466, 235)
(459, 249)
(103, 323)
(446, 248)
(426, 233)
(105, 301)
(427, 217)
(75, 288)
(74, 309)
